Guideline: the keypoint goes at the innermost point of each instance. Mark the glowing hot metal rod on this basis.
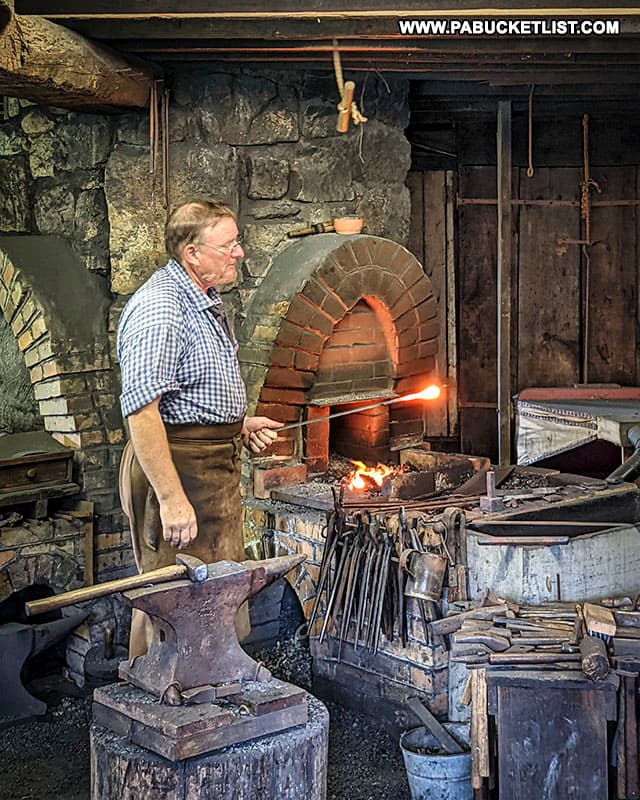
(430, 393)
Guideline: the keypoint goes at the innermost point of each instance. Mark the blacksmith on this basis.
(185, 403)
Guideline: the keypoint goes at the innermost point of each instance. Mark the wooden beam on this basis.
(46, 63)
(504, 280)
(321, 8)
(290, 27)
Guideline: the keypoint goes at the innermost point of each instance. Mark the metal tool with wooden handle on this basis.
(185, 567)
(446, 741)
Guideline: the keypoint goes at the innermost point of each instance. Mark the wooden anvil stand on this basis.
(195, 691)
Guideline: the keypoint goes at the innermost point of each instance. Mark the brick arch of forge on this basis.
(309, 289)
(57, 311)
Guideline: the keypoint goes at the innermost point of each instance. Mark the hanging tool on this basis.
(316, 227)
(530, 133)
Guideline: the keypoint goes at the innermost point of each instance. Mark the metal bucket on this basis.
(439, 776)
(426, 574)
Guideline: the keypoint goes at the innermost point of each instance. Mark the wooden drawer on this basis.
(35, 470)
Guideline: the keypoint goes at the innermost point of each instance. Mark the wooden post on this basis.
(504, 280)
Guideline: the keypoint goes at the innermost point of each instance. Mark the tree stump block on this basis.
(285, 766)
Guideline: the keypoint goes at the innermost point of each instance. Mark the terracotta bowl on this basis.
(348, 224)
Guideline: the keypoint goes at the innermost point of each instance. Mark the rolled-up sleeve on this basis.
(148, 361)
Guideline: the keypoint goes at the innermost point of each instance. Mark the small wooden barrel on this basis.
(282, 766)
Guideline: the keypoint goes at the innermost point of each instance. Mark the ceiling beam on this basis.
(46, 63)
(289, 27)
(322, 8)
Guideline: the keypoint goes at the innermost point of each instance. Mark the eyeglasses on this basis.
(226, 249)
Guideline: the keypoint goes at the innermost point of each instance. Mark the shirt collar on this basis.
(197, 297)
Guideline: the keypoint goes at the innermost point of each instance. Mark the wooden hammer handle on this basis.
(161, 575)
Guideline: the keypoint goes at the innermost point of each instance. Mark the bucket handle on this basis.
(405, 555)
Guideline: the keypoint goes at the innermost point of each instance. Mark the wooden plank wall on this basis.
(612, 342)
(554, 329)
(477, 309)
(549, 281)
(431, 241)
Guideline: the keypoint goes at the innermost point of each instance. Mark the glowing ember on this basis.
(430, 393)
(363, 476)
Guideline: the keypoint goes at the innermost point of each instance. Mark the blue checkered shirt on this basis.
(171, 346)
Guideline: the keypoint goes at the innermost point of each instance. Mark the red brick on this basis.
(427, 310)
(266, 479)
(414, 383)
(288, 396)
(315, 293)
(412, 273)
(282, 357)
(289, 378)
(349, 290)
(303, 313)
(418, 369)
(306, 361)
(403, 305)
(428, 334)
(291, 335)
(279, 411)
(334, 307)
(283, 446)
(408, 320)
(405, 427)
(408, 337)
(420, 292)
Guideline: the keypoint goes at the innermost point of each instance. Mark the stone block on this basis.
(35, 122)
(54, 211)
(268, 177)
(319, 119)
(258, 111)
(386, 155)
(12, 143)
(321, 172)
(200, 169)
(15, 215)
(386, 210)
(136, 217)
(265, 478)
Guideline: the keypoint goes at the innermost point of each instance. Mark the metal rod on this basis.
(407, 398)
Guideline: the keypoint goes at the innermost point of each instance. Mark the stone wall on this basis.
(266, 144)
(264, 141)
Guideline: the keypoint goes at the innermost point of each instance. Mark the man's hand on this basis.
(149, 439)
(179, 524)
(258, 433)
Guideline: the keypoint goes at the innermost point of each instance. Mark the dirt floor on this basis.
(48, 757)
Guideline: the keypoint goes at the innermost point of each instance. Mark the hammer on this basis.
(186, 566)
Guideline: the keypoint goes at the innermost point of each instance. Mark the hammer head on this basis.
(197, 570)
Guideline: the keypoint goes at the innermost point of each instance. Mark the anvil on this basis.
(195, 654)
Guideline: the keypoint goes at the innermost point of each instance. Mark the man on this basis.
(185, 403)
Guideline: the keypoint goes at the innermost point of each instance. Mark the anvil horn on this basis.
(269, 570)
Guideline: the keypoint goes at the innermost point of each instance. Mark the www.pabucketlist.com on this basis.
(509, 27)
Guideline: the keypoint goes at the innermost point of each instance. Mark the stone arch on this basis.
(49, 565)
(309, 289)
